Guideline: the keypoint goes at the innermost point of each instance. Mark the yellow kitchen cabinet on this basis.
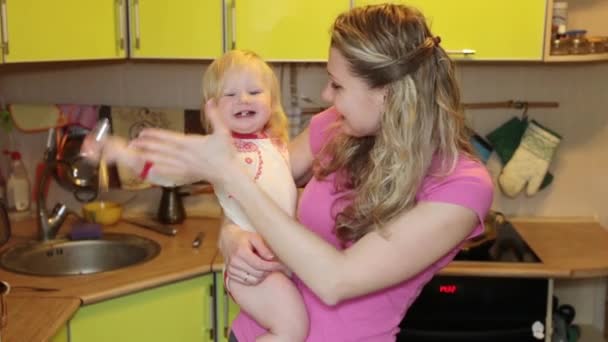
(62, 30)
(226, 309)
(485, 30)
(182, 311)
(286, 30)
(177, 29)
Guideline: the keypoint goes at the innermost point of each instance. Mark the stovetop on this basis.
(507, 246)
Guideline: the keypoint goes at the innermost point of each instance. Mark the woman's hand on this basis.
(248, 259)
(191, 157)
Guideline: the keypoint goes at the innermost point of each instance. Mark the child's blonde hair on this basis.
(241, 60)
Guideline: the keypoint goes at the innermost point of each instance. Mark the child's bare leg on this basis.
(275, 304)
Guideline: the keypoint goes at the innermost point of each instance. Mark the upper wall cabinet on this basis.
(285, 30)
(62, 30)
(178, 29)
(484, 30)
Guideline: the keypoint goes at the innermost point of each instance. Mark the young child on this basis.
(247, 95)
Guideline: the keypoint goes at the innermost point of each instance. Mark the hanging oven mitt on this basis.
(530, 161)
(505, 140)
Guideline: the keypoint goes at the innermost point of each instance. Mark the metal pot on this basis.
(72, 171)
(171, 209)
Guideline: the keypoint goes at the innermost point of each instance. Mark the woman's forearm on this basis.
(314, 261)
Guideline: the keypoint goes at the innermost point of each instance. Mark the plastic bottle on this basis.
(560, 17)
(18, 185)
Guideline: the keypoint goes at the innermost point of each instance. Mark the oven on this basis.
(481, 309)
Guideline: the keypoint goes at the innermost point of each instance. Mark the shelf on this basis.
(582, 14)
(577, 58)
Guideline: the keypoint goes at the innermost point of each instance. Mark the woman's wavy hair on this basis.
(390, 46)
(239, 61)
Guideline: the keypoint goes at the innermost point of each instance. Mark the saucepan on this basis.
(72, 171)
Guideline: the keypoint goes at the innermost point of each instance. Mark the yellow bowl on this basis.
(102, 212)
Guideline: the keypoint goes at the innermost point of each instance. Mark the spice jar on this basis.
(579, 45)
(560, 46)
(598, 44)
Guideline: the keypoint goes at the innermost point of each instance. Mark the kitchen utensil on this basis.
(171, 209)
(5, 224)
(153, 225)
(72, 171)
(103, 212)
(198, 239)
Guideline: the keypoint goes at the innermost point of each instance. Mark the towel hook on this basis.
(521, 105)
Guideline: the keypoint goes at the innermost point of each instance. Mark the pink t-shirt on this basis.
(376, 316)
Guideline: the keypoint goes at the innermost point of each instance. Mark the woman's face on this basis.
(360, 106)
(245, 102)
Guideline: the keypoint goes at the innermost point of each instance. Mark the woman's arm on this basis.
(415, 240)
(300, 158)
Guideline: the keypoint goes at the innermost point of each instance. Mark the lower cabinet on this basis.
(182, 311)
(226, 308)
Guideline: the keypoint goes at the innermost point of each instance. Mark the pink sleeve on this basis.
(319, 129)
(469, 185)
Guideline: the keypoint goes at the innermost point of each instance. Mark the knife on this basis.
(152, 225)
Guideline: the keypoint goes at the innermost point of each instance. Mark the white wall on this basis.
(580, 187)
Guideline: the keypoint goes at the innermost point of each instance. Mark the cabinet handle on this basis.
(211, 313)
(226, 308)
(136, 15)
(121, 25)
(4, 20)
(466, 52)
(233, 16)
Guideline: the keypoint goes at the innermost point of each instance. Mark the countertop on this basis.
(177, 260)
(567, 248)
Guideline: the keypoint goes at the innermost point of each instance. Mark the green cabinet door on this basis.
(285, 30)
(181, 311)
(494, 30)
(63, 30)
(226, 309)
(189, 29)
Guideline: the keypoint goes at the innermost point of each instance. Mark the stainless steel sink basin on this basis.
(65, 257)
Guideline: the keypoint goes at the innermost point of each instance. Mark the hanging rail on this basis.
(510, 104)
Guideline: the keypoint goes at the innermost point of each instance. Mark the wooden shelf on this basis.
(577, 58)
(588, 15)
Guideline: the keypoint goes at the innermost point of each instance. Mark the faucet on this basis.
(48, 224)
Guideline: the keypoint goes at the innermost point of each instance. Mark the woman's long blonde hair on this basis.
(243, 60)
(391, 46)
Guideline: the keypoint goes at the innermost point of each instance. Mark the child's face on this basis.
(245, 102)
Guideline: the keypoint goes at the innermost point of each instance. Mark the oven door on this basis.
(471, 309)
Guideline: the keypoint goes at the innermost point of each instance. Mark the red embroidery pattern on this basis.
(249, 147)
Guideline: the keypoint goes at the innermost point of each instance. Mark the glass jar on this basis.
(579, 44)
(598, 44)
(560, 46)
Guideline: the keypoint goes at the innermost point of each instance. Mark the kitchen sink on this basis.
(66, 257)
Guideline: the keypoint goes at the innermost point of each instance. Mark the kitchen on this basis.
(575, 195)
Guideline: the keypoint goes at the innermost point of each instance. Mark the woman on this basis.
(392, 189)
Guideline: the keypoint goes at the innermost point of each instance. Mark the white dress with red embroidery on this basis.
(267, 163)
